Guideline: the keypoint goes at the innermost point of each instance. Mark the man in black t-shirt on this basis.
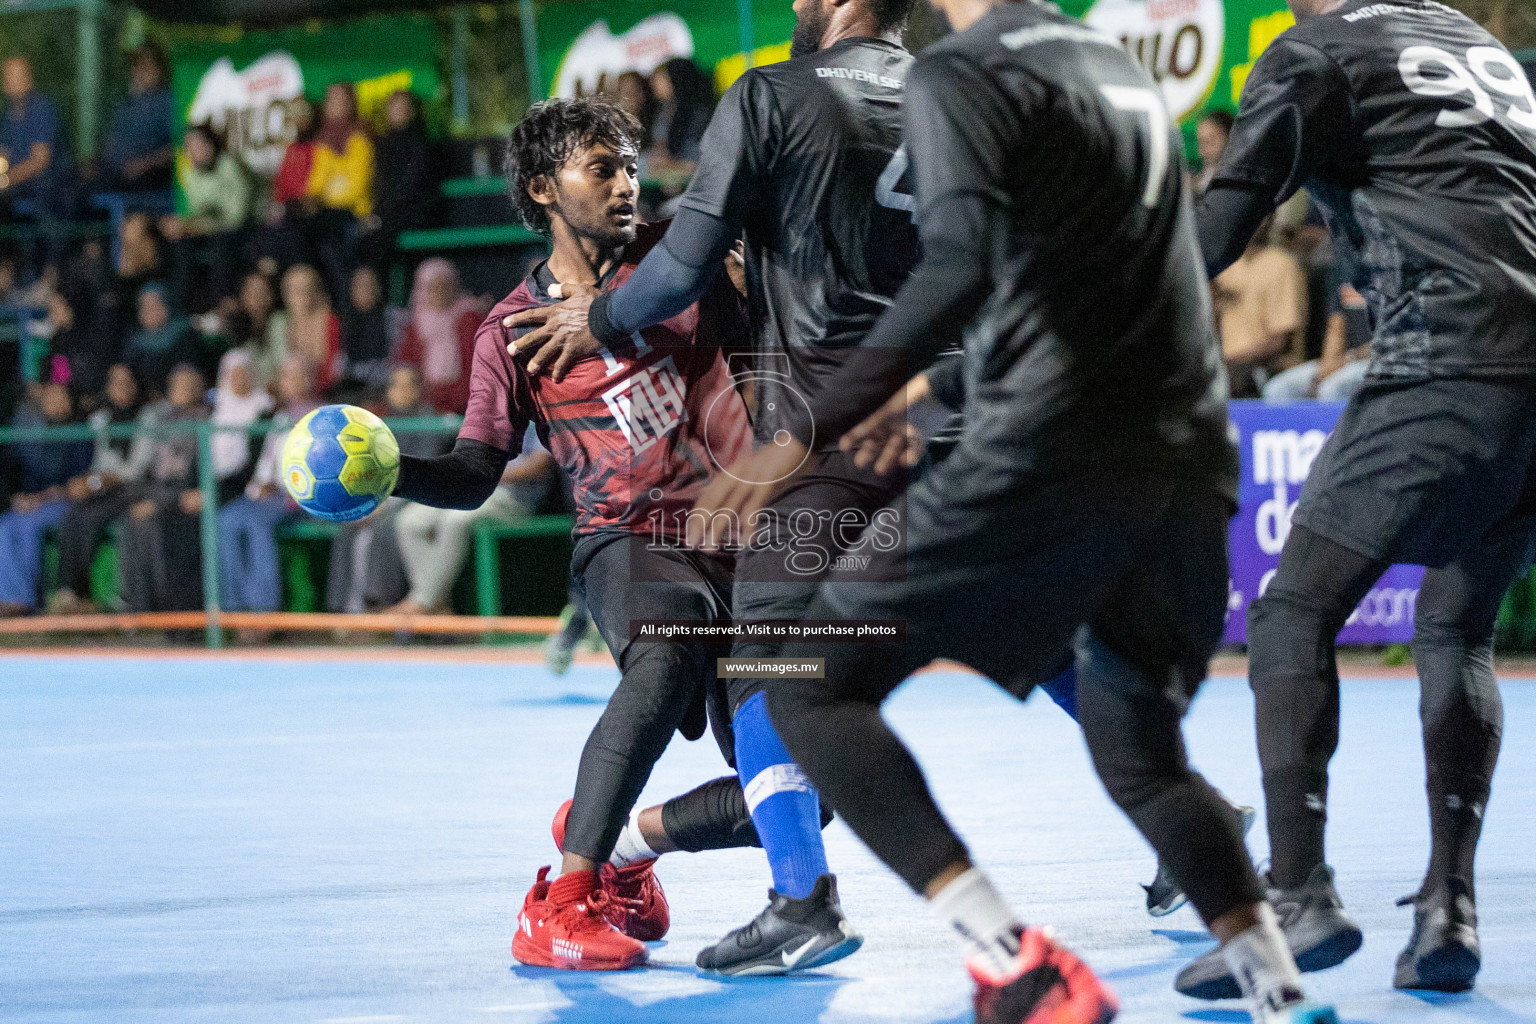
(1415, 131)
(1084, 504)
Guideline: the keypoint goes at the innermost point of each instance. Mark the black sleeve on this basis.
(958, 129)
(709, 218)
(946, 380)
(1228, 215)
(462, 479)
(671, 277)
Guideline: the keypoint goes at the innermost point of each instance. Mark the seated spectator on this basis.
(33, 141)
(366, 571)
(255, 323)
(46, 469)
(138, 153)
(1212, 132)
(1340, 372)
(365, 333)
(10, 281)
(239, 400)
(341, 182)
(439, 338)
(280, 241)
(162, 341)
(1261, 314)
(160, 559)
(684, 102)
(78, 353)
(218, 197)
(248, 569)
(434, 542)
(632, 94)
(107, 489)
(310, 327)
(405, 178)
(140, 261)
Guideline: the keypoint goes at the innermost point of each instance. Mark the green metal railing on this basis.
(207, 482)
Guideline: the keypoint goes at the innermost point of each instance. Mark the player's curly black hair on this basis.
(547, 136)
(890, 15)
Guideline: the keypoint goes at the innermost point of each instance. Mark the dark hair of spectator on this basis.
(1221, 118)
(890, 15)
(691, 89)
(207, 132)
(549, 134)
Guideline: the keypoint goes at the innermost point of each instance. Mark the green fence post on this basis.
(744, 29)
(458, 59)
(525, 18)
(209, 485)
(87, 74)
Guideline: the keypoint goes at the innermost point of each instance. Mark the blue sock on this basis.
(783, 804)
(1063, 690)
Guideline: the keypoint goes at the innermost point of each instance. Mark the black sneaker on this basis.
(1164, 895)
(1315, 927)
(789, 935)
(1443, 953)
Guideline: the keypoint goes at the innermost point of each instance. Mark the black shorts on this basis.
(1415, 473)
(623, 578)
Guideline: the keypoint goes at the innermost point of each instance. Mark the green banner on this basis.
(243, 82)
(585, 44)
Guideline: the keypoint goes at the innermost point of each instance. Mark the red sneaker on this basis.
(638, 906)
(564, 924)
(1047, 986)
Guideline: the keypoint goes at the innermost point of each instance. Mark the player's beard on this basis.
(809, 31)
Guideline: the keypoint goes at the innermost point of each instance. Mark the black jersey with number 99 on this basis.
(1415, 130)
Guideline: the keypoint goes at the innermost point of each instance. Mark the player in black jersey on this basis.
(1415, 131)
(1086, 502)
(801, 161)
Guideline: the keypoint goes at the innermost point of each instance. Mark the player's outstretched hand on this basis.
(886, 439)
(559, 339)
(739, 492)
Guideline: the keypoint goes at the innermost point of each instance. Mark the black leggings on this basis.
(1295, 681)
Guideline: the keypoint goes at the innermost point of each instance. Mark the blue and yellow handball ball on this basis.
(340, 462)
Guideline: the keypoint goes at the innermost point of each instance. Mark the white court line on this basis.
(360, 1020)
(525, 1007)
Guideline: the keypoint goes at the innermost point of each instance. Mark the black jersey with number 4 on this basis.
(1094, 345)
(803, 155)
(1415, 130)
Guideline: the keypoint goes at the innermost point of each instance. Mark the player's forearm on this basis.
(670, 278)
(462, 479)
(1228, 215)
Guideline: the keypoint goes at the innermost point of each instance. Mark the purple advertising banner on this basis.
(1278, 444)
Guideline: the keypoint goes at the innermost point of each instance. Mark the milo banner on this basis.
(1199, 51)
(585, 44)
(242, 82)
(1278, 444)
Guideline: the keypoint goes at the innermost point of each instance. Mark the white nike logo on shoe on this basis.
(791, 959)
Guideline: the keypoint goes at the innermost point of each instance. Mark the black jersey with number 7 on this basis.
(1415, 130)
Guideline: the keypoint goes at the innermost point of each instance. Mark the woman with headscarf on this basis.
(106, 490)
(211, 232)
(162, 341)
(238, 402)
(341, 182)
(311, 329)
(439, 338)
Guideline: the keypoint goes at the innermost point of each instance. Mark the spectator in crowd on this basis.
(632, 94)
(106, 491)
(279, 243)
(78, 354)
(255, 324)
(341, 182)
(32, 140)
(160, 557)
(405, 178)
(1261, 314)
(311, 328)
(439, 339)
(248, 569)
(685, 99)
(365, 333)
(162, 341)
(434, 542)
(239, 401)
(1340, 371)
(137, 153)
(10, 281)
(366, 570)
(46, 469)
(140, 262)
(218, 197)
(1211, 134)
